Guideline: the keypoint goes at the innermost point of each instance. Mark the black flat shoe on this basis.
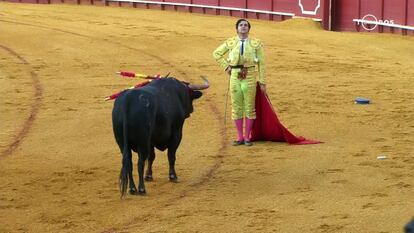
(248, 143)
(238, 143)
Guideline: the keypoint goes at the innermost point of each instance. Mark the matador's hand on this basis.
(228, 70)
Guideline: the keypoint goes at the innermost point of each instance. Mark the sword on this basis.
(225, 105)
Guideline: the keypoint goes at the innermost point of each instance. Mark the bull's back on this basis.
(134, 110)
(154, 112)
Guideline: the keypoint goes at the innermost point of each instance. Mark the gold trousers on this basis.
(243, 94)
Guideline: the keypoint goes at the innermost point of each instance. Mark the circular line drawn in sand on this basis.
(38, 96)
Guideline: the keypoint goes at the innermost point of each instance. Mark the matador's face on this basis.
(243, 27)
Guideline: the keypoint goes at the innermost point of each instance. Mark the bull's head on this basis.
(196, 93)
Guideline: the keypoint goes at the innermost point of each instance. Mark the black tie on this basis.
(242, 47)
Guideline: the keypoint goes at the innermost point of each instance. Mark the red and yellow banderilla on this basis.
(128, 74)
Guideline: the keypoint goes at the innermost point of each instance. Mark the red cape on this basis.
(267, 126)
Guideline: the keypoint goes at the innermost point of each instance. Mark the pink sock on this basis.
(239, 126)
(249, 126)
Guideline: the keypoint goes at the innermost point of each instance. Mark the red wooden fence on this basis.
(395, 16)
(391, 16)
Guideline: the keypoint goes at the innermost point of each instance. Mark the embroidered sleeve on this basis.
(261, 62)
(219, 54)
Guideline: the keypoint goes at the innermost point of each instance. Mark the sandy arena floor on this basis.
(59, 163)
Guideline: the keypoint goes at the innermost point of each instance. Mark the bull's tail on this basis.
(126, 157)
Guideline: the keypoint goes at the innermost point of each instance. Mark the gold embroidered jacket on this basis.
(253, 55)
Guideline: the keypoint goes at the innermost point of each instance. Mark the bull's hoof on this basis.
(149, 178)
(133, 191)
(173, 178)
(142, 192)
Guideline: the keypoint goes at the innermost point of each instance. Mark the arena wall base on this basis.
(371, 16)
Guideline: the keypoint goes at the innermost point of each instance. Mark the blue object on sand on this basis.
(360, 100)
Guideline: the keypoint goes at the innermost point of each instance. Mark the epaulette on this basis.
(256, 43)
(231, 42)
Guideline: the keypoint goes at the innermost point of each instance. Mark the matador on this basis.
(245, 61)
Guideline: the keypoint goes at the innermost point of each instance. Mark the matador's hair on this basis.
(241, 20)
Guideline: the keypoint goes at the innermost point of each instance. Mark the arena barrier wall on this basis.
(391, 16)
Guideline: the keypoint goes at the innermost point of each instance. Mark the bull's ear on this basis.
(197, 94)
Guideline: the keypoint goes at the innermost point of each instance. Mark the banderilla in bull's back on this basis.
(129, 74)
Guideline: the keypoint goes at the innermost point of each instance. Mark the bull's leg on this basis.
(142, 156)
(171, 160)
(126, 178)
(171, 155)
(132, 188)
(174, 143)
(151, 158)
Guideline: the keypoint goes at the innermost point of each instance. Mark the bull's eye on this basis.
(143, 99)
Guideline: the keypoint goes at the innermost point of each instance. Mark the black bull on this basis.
(148, 117)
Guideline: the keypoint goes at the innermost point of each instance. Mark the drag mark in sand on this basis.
(38, 95)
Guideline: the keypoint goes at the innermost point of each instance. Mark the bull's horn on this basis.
(200, 86)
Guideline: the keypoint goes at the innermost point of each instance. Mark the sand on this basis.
(59, 163)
